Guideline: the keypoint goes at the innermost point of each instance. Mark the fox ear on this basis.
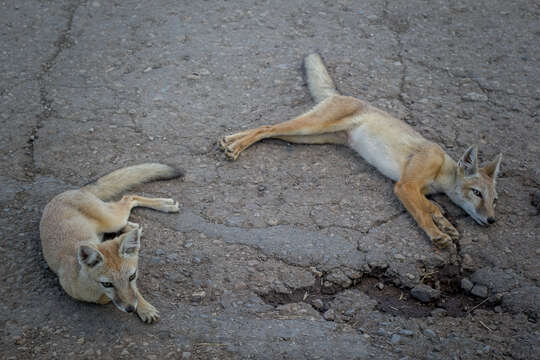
(89, 256)
(469, 161)
(492, 168)
(131, 242)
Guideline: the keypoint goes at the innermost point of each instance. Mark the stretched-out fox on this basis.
(418, 165)
(72, 228)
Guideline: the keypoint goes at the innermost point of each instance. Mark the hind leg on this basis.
(331, 116)
(113, 216)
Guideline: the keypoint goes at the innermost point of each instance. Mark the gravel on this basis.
(425, 293)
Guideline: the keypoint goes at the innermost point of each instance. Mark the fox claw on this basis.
(223, 143)
(148, 313)
(442, 241)
(445, 226)
(170, 205)
(232, 154)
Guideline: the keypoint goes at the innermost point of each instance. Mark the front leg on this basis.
(425, 213)
(445, 225)
(146, 311)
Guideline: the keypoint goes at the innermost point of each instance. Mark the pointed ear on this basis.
(130, 242)
(492, 168)
(89, 256)
(469, 161)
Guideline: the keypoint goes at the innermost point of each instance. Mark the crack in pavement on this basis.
(290, 244)
(63, 42)
(378, 223)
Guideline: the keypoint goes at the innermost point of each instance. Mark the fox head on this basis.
(474, 188)
(113, 266)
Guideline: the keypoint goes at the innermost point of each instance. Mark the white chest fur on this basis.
(376, 150)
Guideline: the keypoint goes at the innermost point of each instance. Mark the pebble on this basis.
(396, 339)
(329, 315)
(467, 263)
(317, 304)
(198, 296)
(240, 285)
(379, 285)
(406, 332)
(439, 312)
(466, 284)
(430, 333)
(472, 96)
(124, 353)
(186, 355)
(480, 291)
(193, 76)
(410, 276)
(425, 293)
(172, 257)
(339, 278)
(399, 256)
(434, 261)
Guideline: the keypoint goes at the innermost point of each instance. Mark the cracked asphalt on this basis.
(292, 251)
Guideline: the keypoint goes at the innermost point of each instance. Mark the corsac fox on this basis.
(418, 165)
(72, 228)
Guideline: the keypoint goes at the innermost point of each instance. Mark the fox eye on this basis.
(477, 193)
(107, 284)
(132, 277)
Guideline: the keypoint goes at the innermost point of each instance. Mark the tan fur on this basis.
(418, 165)
(72, 228)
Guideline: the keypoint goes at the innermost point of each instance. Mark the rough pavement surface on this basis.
(293, 252)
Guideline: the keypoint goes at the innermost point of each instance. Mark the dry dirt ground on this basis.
(290, 252)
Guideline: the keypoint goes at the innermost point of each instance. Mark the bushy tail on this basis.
(320, 84)
(121, 180)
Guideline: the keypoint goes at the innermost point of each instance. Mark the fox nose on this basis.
(491, 220)
(130, 308)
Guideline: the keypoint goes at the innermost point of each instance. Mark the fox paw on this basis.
(223, 142)
(445, 226)
(231, 153)
(131, 226)
(227, 144)
(442, 241)
(148, 313)
(169, 205)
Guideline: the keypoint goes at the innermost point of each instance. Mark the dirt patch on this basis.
(390, 299)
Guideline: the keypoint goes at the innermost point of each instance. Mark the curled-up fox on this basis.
(418, 166)
(72, 228)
